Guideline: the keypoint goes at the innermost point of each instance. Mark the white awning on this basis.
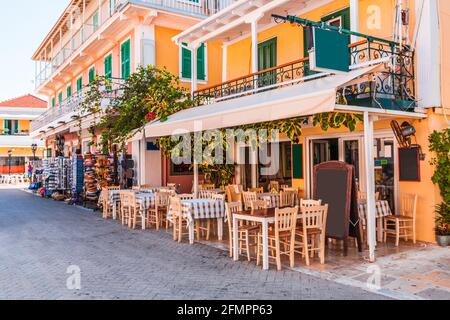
(308, 98)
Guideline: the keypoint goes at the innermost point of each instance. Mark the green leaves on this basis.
(149, 89)
(440, 145)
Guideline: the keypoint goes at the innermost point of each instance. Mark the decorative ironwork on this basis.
(284, 75)
(396, 83)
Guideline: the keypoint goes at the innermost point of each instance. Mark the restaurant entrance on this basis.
(350, 149)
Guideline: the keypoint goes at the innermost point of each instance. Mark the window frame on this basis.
(205, 62)
(129, 58)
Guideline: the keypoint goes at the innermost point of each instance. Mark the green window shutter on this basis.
(95, 21)
(185, 63)
(297, 161)
(186, 67)
(201, 72)
(91, 74)
(69, 91)
(7, 126)
(60, 98)
(108, 66)
(79, 84)
(125, 59)
(53, 102)
(16, 126)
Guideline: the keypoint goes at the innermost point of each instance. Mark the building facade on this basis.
(15, 141)
(260, 68)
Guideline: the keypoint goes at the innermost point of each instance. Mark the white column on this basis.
(428, 50)
(193, 68)
(354, 23)
(370, 184)
(254, 26)
(224, 62)
(100, 15)
(254, 165)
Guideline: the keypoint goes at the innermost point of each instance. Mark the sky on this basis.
(23, 25)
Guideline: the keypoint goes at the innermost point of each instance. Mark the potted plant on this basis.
(440, 145)
(442, 224)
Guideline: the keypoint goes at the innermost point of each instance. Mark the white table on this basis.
(264, 216)
(197, 209)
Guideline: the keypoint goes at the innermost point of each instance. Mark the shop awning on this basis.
(308, 98)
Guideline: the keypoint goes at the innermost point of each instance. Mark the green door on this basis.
(267, 58)
(91, 74)
(79, 84)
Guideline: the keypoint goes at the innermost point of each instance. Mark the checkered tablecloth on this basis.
(273, 199)
(382, 209)
(145, 201)
(201, 209)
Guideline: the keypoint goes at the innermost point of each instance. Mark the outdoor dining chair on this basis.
(158, 214)
(258, 204)
(287, 199)
(281, 238)
(314, 221)
(248, 197)
(126, 208)
(274, 185)
(245, 232)
(106, 207)
(404, 224)
(257, 190)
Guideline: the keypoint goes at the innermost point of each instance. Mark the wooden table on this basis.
(264, 216)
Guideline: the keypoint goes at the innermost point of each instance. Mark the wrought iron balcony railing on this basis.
(394, 86)
(72, 106)
(83, 32)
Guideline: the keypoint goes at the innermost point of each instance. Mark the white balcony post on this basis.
(254, 166)
(370, 184)
(100, 16)
(224, 62)
(254, 26)
(354, 23)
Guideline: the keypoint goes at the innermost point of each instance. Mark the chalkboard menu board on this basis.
(409, 164)
(334, 185)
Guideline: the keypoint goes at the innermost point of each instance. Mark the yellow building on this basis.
(251, 68)
(15, 141)
(273, 69)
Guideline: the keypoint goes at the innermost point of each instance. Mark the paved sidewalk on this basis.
(41, 238)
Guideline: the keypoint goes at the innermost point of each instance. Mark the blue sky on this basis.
(23, 25)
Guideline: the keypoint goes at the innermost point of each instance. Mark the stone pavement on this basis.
(40, 239)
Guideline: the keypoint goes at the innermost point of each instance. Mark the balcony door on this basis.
(267, 58)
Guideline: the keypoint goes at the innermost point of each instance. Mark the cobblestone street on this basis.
(41, 238)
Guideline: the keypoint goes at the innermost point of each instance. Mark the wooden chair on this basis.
(404, 224)
(274, 185)
(291, 189)
(258, 204)
(136, 188)
(248, 197)
(257, 190)
(207, 186)
(136, 214)
(157, 215)
(234, 193)
(245, 232)
(218, 196)
(146, 186)
(106, 207)
(205, 194)
(314, 221)
(363, 195)
(281, 237)
(310, 203)
(284, 186)
(185, 196)
(113, 188)
(177, 218)
(287, 199)
(126, 208)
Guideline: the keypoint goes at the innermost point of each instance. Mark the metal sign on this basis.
(330, 52)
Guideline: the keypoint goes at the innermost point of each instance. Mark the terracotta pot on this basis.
(443, 241)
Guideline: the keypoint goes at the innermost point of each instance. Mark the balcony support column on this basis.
(370, 184)
(354, 23)
(224, 62)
